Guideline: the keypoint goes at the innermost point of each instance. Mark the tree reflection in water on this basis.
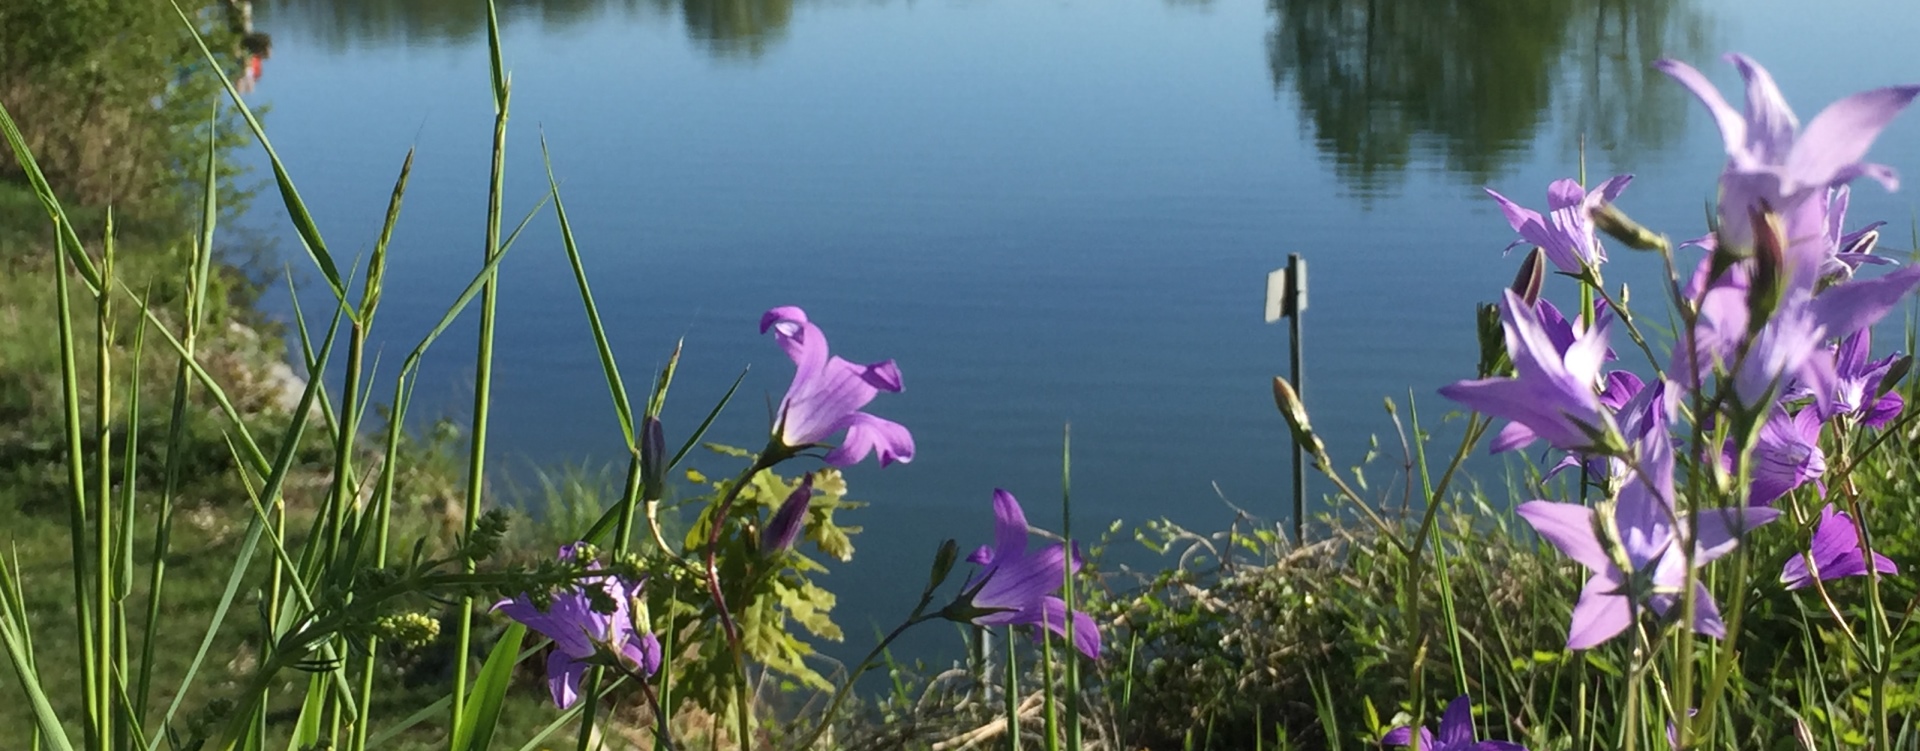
(726, 28)
(1471, 84)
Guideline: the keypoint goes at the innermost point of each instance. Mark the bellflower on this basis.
(1553, 392)
(580, 634)
(1786, 455)
(1641, 531)
(827, 394)
(1456, 733)
(1858, 379)
(1774, 165)
(1836, 553)
(1015, 587)
(1566, 232)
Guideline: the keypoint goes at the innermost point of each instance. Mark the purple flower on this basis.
(789, 521)
(1857, 380)
(827, 394)
(1790, 346)
(1553, 392)
(1456, 733)
(580, 634)
(1640, 410)
(1786, 455)
(1566, 232)
(1773, 165)
(1789, 350)
(1836, 553)
(1642, 531)
(1016, 587)
(1848, 249)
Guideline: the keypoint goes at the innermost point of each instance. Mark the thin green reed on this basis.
(123, 546)
(110, 730)
(1066, 540)
(382, 510)
(77, 503)
(483, 357)
(630, 497)
(201, 267)
(1012, 693)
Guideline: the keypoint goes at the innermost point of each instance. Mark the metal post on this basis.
(1296, 302)
(1287, 297)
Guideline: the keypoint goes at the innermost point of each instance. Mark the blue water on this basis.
(1048, 212)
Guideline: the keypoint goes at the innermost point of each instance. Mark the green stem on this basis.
(867, 663)
(111, 730)
(77, 500)
(483, 371)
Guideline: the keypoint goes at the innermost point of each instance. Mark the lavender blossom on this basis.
(1641, 530)
(1566, 232)
(827, 394)
(1553, 393)
(580, 634)
(1775, 166)
(1836, 553)
(1015, 587)
(1456, 733)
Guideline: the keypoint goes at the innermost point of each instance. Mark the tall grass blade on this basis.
(310, 238)
(276, 476)
(1072, 654)
(201, 267)
(483, 356)
(18, 641)
(77, 506)
(607, 363)
(66, 235)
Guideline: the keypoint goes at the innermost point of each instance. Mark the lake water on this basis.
(1048, 212)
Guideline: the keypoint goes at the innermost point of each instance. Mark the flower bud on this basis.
(410, 629)
(1769, 269)
(1532, 276)
(1896, 372)
(653, 459)
(1611, 220)
(1295, 412)
(943, 561)
(787, 523)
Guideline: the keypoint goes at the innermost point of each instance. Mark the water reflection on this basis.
(1472, 83)
(725, 28)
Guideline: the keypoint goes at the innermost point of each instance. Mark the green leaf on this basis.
(306, 730)
(475, 729)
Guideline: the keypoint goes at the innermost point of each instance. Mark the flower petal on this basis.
(869, 434)
(563, 678)
(1599, 615)
(1839, 136)
(1733, 126)
(1456, 725)
(1855, 305)
(1010, 530)
(1569, 526)
(1086, 634)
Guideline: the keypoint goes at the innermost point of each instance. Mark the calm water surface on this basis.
(1048, 212)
